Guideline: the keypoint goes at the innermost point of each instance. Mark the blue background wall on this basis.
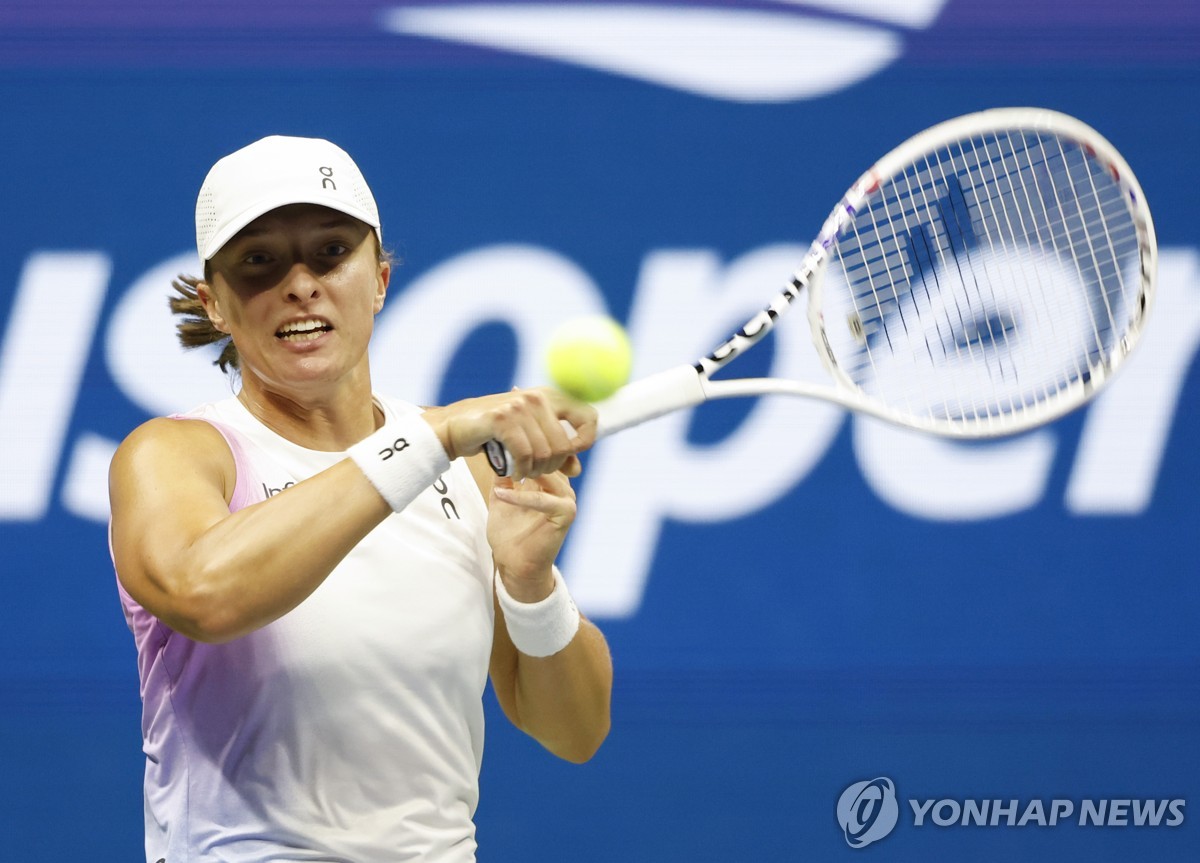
(789, 612)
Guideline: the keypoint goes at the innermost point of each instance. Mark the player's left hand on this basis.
(527, 525)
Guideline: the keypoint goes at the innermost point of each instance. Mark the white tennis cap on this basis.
(274, 172)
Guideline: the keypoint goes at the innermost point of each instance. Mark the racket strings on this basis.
(1006, 232)
(986, 279)
(1076, 221)
(1002, 219)
(1117, 233)
(957, 240)
(1026, 226)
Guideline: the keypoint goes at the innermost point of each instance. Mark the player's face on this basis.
(298, 290)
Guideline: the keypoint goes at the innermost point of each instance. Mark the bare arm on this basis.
(562, 701)
(214, 575)
(211, 574)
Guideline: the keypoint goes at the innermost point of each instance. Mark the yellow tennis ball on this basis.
(589, 357)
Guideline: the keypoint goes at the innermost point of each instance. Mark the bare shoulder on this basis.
(161, 437)
(170, 481)
(171, 450)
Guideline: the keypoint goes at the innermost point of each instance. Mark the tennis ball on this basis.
(589, 358)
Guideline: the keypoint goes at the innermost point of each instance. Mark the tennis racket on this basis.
(987, 276)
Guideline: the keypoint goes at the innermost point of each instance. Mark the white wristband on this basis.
(401, 460)
(540, 628)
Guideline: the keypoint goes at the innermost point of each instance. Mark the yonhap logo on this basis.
(868, 811)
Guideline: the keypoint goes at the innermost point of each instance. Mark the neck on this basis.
(330, 421)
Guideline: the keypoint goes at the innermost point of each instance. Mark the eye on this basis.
(335, 249)
(256, 259)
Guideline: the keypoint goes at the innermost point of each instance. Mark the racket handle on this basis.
(643, 400)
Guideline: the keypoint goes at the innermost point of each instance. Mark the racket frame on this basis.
(689, 385)
(637, 402)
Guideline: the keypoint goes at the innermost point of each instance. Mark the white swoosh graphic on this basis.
(736, 54)
(917, 14)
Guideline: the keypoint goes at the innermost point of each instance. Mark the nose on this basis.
(300, 284)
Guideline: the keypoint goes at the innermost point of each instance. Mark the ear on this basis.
(212, 306)
(383, 279)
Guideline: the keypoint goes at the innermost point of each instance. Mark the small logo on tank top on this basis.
(448, 507)
(271, 492)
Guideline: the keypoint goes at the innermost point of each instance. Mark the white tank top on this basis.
(350, 729)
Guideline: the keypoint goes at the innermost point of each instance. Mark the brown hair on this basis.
(195, 330)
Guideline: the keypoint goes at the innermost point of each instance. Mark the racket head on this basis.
(987, 276)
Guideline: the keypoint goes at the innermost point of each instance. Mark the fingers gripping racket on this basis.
(987, 276)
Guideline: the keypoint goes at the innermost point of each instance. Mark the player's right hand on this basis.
(528, 422)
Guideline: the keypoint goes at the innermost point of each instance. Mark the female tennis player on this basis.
(317, 589)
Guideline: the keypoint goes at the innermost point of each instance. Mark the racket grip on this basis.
(643, 400)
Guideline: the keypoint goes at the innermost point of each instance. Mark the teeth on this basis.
(302, 337)
(302, 331)
(302, 326)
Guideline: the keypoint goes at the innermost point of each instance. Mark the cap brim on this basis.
(231, 228)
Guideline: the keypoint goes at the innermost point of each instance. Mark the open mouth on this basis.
(303, 331)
